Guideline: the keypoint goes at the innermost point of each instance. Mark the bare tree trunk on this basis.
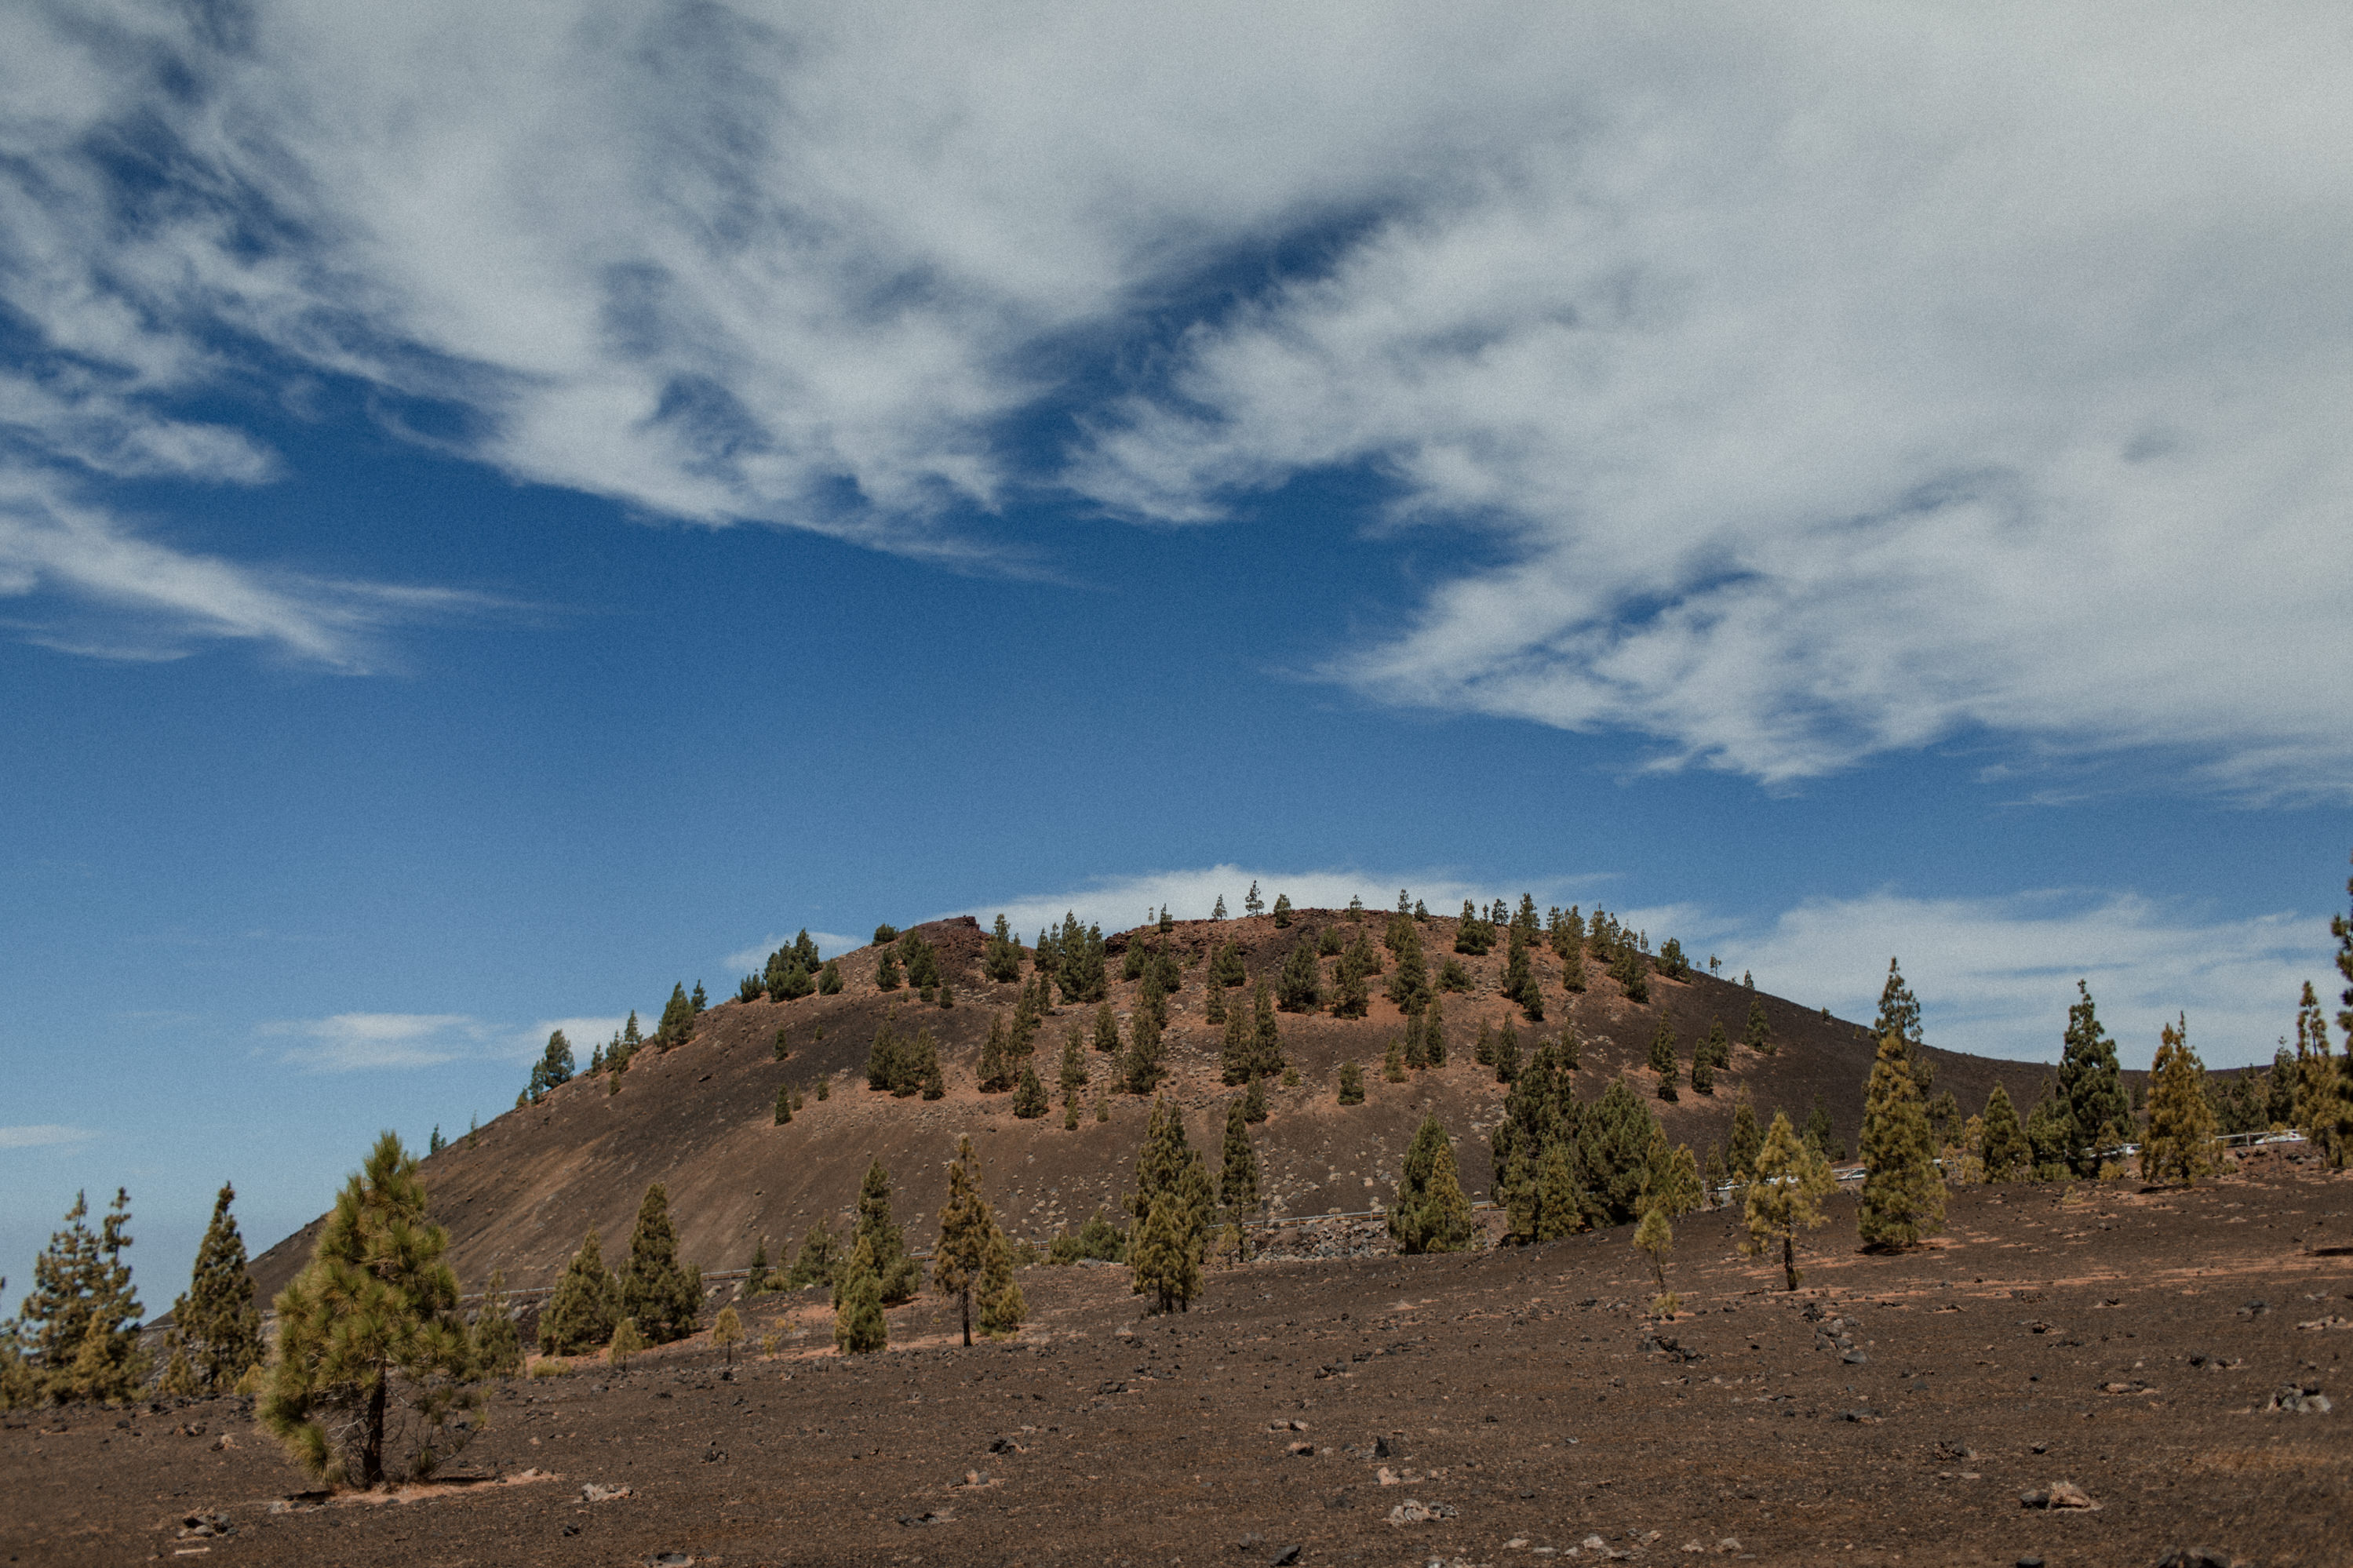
(964, 1296)
(372, 1445)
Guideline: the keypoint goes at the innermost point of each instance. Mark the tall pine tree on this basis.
(2091, 1089)
(2003, 1152)
(217, 1320)
(1792, 1178)
(2179, 1145)
(1431, 1213)
(1902, 1195)
(580, 1314)
(662, 1294)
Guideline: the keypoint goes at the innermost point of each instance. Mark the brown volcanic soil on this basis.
(521, 1191)
(2103, 1336)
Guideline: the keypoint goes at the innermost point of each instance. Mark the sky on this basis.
(504, 508)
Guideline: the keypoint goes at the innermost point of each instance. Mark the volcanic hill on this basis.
(519, 1194)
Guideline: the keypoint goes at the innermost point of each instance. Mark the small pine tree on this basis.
(1902, 1195)
(727, 1332)
(1352, 1084)
(580, 1313)
(755, 1273)
(1266, 1034)
(217, 1320)
(858, 1326)
(897, 1275)
(1237, 1183)
(1702, 1075)
(1393, 1062)
(966, 1226)
(1431, 1213)
(815, 1263)
(2180, 1142)
(2320, 1102)
(660, 1294)
(2091, 1089)
(1219, 914)
(1003, 1308)
(1758, 1035)
(1632, 971)
(1073, 1075)
(1172, 1203)
(498, 1345)
(1300, 981)
(627, 1343)
(552, 1068)
(1106, 1031)
(677, 1020)
(80, 1321)
(1662, 1059)
(1792, 1180)
(887, 977)
(1255, 1102)
(1029, 1100)
(1483, 1052)
(1506, 1052)
(1410, 981)
(1141, 1067)
(2003, 1152)
(784, 1103)
(829, 979)
(373, 1318)
(1252, 903)
(1671, 1189)
(1746, 1140)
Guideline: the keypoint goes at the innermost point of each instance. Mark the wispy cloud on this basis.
(363, 1042)
(43, 1135)
(1995, 976)
(1820, 408)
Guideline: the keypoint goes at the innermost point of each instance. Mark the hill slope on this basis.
(520, 1193)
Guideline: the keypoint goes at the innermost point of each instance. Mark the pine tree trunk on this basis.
(1790, 1256)
(964, 1296)
(372, 1446)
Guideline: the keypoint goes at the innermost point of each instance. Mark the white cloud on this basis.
(1995, 976)
(1835, 378)
(43, 1135)
(361, 1042)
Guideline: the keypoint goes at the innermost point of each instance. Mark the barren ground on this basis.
(2103, 1336)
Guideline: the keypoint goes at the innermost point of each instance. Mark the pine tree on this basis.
(784, 1103)
(1073, 1075)
(1431, 1213)
(756, 1274)
(2091, 1089)
(816, 1262)
(857, 1305)
(1106, 1031)
(580, 1313)
(1140, 1067)
(1758, 1035)
(1520, 977)
(1560, 1200)
(1238, 1185)
(664, 1297)
(1213, 1005)
(1254, 1101)
(1301, 980)
(1352, 1084)
(1393, 1060)
(677, 1020)
(1702, 1074)
(1266, 1042)
(498, 1346)
(552, 1068)
(924, 1076)
(1029, 1100)
(2180, 1142)
(1614, 1147)
(1899, 1014)
(1663, 1058)
(217, 1320)
(1746, 1140)
(1671, 1189)
(1792, 1180)
(77, 1330)
(1632, 971)
(1281, 911)
(1171, 1202)
(1433, 1034)
(1483, 1052)
(896, 1275)
(2320, 1102)
(995, 1066)
(2003, 1152)
(1903, 1193)
(727, 1332)
(829, 980)
(627, 1341)
(1001, 955)
(965, 1225)
(1409, 982)
(374, 1316)
(1506, 1052)
(1003, 1308)
(887, 977)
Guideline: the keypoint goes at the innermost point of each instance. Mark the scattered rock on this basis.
(714, 1455)
(917, 1520)
(1303, 1450)
(2195, 1557)
(2330, 1322)
(2058, 1495)
(1948, 1449)
(670, 1560)
(223, 1443)
(2255, 1308)
(1285, 1557)
(1388, 1477)
(1862, 1416)
(1381, 1449)
(2299, 1399)
(593, 1492)
(203, 1526)
(1411, 1511)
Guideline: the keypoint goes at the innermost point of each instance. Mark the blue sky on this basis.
(502, 512)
